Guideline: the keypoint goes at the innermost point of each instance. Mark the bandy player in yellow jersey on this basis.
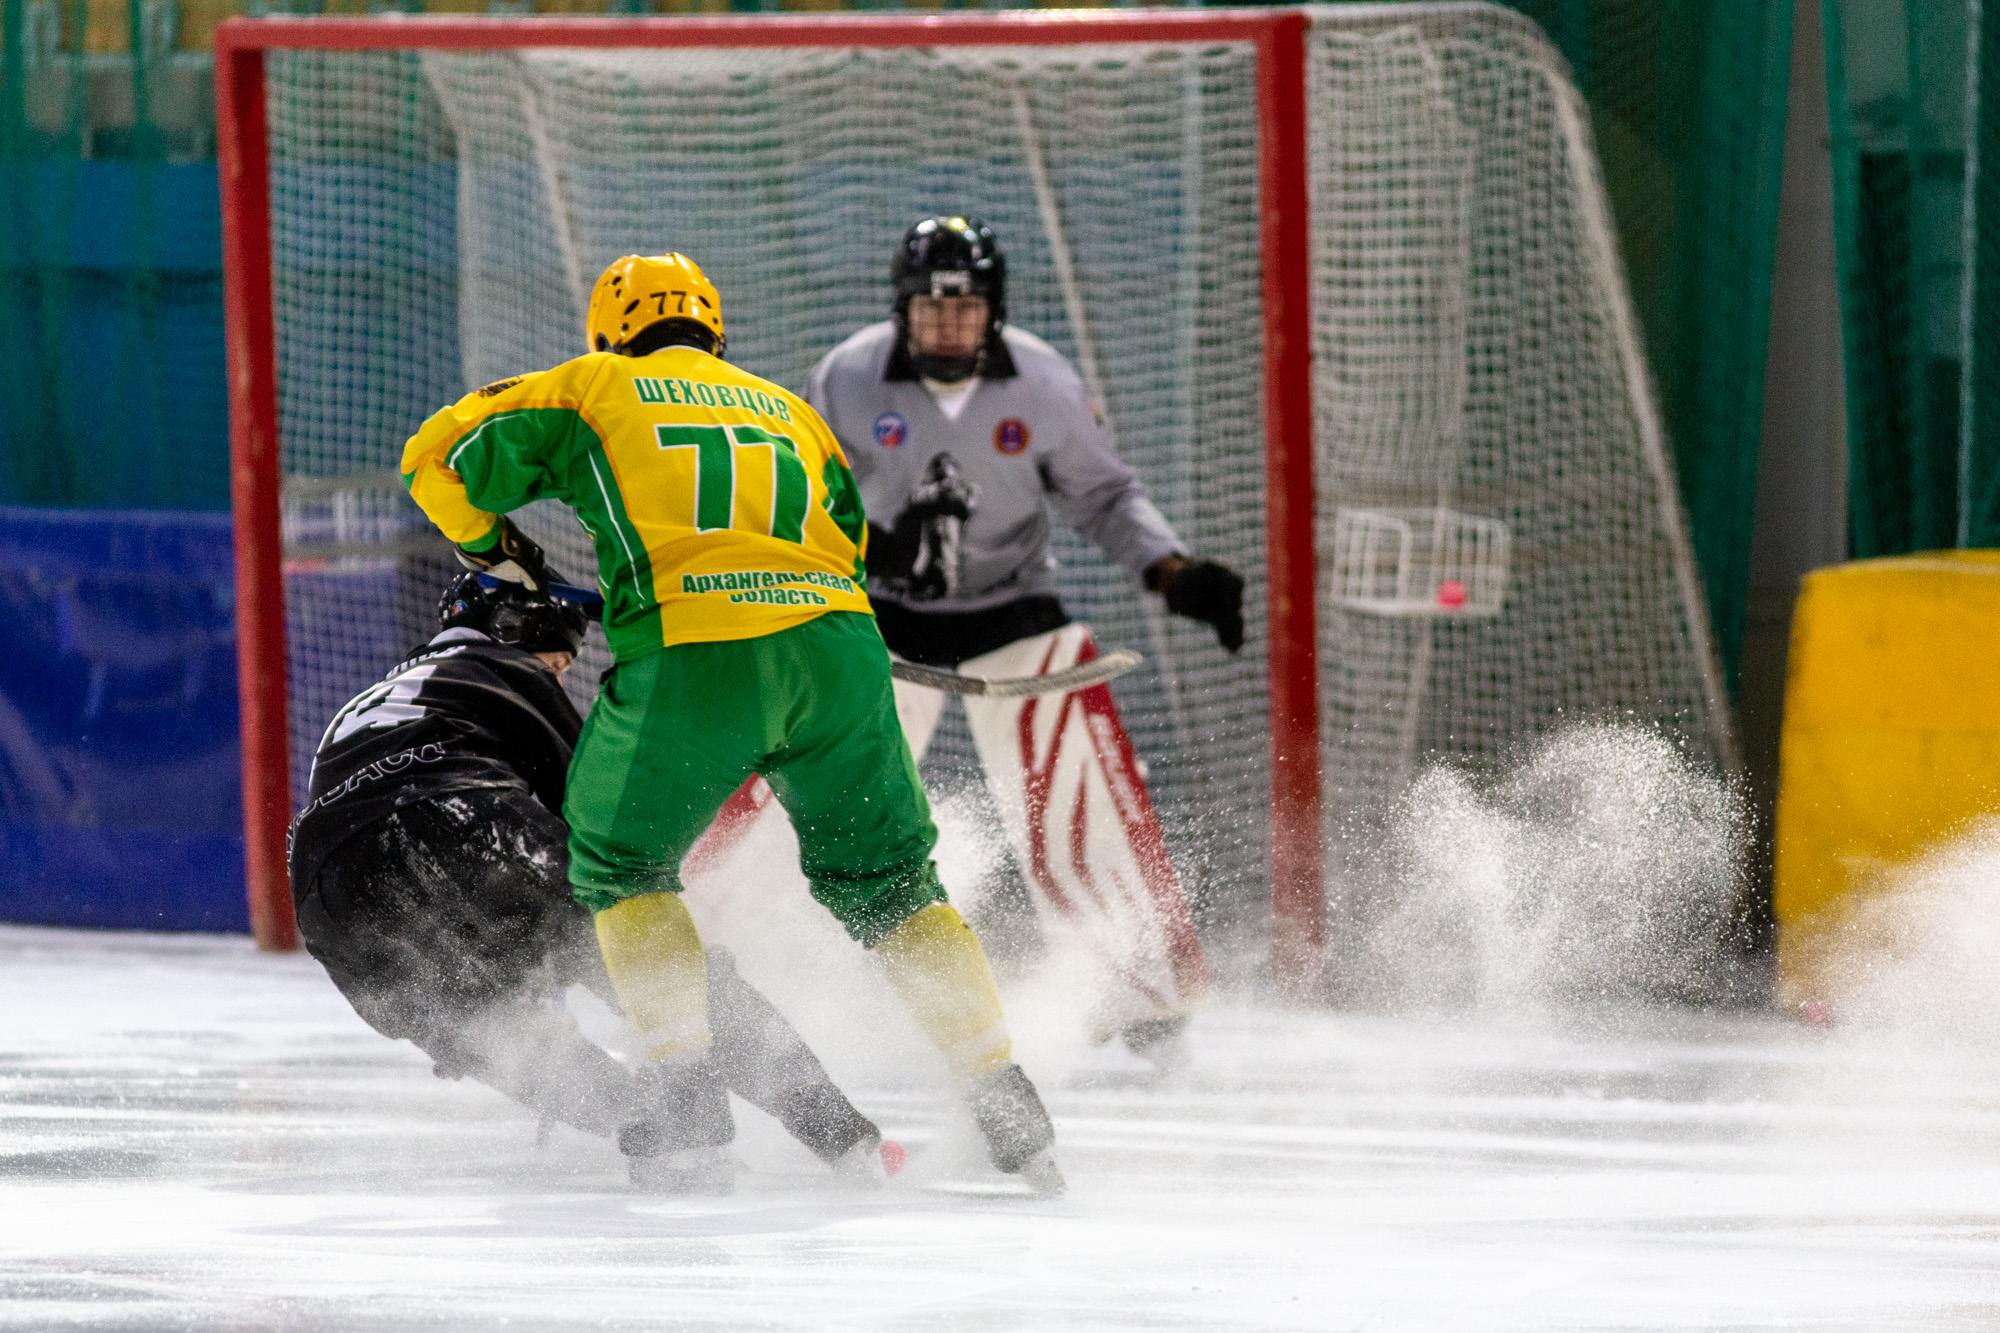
(729, 541)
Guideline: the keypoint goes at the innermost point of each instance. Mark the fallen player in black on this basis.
(430, 874)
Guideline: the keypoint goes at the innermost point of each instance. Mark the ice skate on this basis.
(818, 1116)
(686, 1171)
(679, 1143)
(1019, 1137)
(1161, 1042)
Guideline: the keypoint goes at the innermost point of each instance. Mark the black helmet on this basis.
(952, 256)
(511, 613)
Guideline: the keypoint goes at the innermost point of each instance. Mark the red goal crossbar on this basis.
(1278, 39)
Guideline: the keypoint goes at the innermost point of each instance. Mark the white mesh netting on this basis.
(438, 218)
(1473, 353)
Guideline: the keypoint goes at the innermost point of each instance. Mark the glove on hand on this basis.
(893, 553)
(889, 557)
(513, 557)
(1211, 593)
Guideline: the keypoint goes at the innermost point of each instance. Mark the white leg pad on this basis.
(1075, 806)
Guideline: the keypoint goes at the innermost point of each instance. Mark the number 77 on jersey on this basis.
(719, 505)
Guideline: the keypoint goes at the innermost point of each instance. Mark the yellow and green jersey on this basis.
(720, 506)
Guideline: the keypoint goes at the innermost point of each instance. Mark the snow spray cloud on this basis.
(1603, 868)
(1915, 963)
(1908, 979)
(755, 902)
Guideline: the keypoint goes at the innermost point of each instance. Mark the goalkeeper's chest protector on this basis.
(718, 504)
(460, 713)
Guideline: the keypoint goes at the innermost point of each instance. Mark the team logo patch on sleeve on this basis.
(498, 387)
(891, 430)
(1011, 435)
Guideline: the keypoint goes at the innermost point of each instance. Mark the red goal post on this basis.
(243, 156)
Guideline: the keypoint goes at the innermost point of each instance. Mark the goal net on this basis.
(1496, 545)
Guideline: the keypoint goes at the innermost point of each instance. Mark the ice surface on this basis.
(199, 1136)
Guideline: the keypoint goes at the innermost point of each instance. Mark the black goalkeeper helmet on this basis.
(952, 256)
(511, 613)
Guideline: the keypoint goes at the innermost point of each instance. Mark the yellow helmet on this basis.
(638, 291)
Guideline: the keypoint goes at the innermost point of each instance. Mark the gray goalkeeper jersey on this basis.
(1015, 447)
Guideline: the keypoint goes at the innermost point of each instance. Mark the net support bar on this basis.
(244, 160)
(1297, 874)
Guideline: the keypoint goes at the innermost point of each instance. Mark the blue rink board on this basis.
(120, 770)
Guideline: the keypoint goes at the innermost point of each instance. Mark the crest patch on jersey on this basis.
(498, 387)
(891, 430)
(1011, 435)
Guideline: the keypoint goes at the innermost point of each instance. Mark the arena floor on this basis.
(195, 1135)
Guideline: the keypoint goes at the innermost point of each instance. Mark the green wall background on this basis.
(1914, 100)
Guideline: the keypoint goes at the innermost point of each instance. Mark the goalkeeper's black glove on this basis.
(1202, 590)
(512, 557)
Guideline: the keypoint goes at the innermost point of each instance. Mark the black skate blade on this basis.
(1043, 1177)
(687, 1174)
(1012, 1189)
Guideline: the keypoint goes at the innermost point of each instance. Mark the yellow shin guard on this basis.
(657, 967)
(940, 971)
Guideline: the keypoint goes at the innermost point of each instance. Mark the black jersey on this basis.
(460, 713)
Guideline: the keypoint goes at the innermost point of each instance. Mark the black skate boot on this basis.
(678, 1146)
(1019, 1137)
(819, 1116)
(1161, 1041)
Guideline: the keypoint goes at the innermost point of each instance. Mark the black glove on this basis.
(1211, 593)
(888, 556)
(514, 558)
(893, 552)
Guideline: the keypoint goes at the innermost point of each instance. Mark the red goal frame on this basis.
(1278, 39)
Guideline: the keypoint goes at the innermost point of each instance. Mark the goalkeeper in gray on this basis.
(964, 434)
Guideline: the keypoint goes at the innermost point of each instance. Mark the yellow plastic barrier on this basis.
(1891, 737)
